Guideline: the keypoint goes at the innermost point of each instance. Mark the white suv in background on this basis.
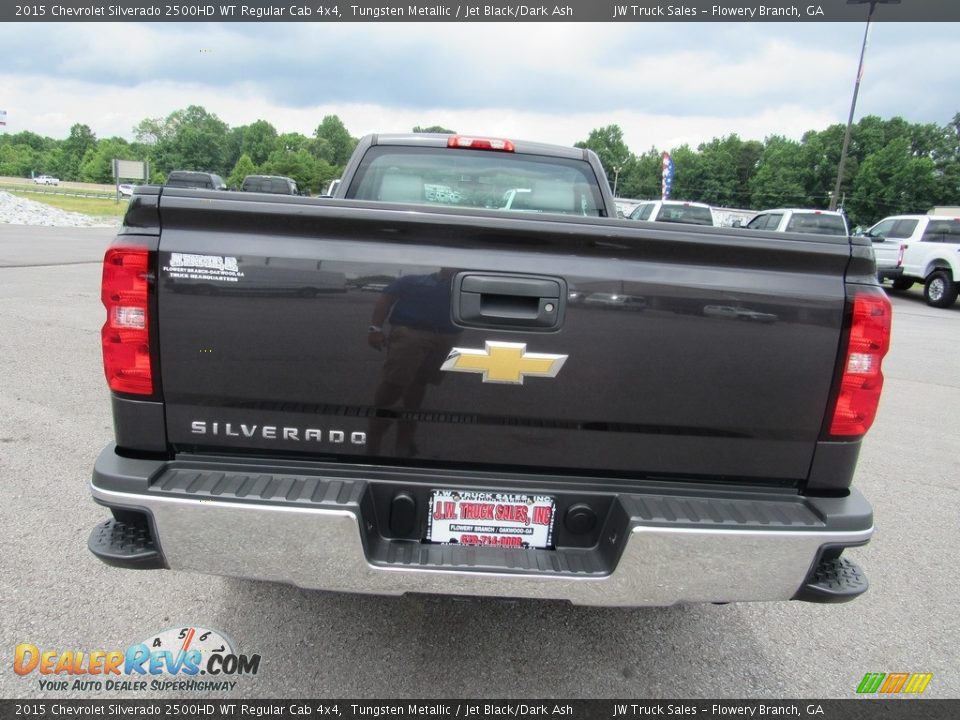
(920, 248)
(46, 180)
(800, 220)
(889, 238)
(625, 206)
(676, 211)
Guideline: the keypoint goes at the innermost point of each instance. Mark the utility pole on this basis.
(616, 172)
(856, 91)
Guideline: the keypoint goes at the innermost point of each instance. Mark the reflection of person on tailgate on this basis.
(420, 338)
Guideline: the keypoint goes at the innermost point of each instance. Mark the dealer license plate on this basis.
(490, 518)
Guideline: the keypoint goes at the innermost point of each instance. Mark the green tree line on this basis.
(893, 166)
(188, 139)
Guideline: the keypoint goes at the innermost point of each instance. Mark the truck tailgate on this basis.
(703, 354)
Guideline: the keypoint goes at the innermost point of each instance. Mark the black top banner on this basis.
(569, 11)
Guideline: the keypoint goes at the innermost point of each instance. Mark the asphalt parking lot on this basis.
(55, 418)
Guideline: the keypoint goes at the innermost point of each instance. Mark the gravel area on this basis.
(16, 210)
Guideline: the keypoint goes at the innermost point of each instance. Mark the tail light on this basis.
(126, 333)
(862, 379)
(900, 255)
(476, 143)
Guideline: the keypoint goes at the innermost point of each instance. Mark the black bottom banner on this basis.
(867, 709)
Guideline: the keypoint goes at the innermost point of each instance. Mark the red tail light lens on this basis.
(862, 378)
(475, 143)
(126, 333)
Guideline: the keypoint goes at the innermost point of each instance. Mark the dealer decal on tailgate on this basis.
(488, 518)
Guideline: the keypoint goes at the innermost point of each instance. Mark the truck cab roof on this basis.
(193, 179)
(522, 147)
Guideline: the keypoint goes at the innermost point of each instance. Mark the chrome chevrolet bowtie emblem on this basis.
(503, 362)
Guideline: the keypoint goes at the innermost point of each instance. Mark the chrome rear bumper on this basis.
(326, 544)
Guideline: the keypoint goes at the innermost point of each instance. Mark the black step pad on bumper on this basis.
(126, 545)
(834, 581)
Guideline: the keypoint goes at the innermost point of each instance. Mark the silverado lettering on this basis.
(387, 363)
(272, 432)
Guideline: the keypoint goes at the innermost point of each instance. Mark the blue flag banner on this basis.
(667, 182)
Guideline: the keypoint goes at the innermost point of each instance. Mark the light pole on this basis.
(616, 172)
(856, 91)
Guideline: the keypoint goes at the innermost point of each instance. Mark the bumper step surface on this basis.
(834, 581)
(125, 544)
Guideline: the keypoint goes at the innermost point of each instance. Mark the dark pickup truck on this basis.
(463, 374)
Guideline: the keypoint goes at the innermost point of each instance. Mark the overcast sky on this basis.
(664, 83)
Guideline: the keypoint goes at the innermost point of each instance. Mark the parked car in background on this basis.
(889, 238)
(919, 248)
(800, 220)
(675, 211)
(515, 198)
(331, 188)
(198, 180)
(275, 184)
(625, 206)
(46, 180)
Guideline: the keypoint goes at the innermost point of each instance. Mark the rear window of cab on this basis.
(689, 214)
(274, 185)
(493, 180)
(945, 231)
(816, 224)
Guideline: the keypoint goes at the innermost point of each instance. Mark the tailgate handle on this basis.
(509, 301)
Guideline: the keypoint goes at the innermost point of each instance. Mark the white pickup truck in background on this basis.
(919, 248)
(676, 211)
(800, 220)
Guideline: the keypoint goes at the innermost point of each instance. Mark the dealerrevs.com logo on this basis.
(175, 660)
